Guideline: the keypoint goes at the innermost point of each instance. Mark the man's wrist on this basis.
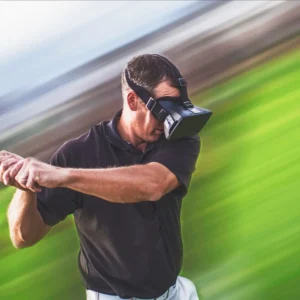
(65, 177)
(20, 191)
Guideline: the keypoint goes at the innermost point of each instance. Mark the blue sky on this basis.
(43, 39)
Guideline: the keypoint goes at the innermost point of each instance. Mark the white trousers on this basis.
(184, 290)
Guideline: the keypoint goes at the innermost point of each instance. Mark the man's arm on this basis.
(121, 185)
(26, 226)
(124, 184)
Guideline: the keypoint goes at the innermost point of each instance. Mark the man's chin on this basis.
(155, 137)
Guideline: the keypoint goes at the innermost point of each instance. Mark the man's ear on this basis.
(132, 100)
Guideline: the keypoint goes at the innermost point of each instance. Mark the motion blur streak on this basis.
(242, 61)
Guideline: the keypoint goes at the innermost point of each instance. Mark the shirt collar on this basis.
(114, 137)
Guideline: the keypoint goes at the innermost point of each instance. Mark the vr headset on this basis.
(180, 117)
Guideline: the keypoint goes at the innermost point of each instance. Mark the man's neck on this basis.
(127, 134)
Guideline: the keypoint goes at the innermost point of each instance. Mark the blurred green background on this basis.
(241, 217)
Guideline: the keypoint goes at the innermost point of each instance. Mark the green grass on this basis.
(241, 217)
(46, 271)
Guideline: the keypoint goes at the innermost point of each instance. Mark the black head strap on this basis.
(140, 91)
(182, 83)
(145, 96)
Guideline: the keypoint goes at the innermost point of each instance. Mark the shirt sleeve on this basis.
(56, 204)
(180, 157)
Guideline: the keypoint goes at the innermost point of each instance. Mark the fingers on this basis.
(7, 160)
(16, 168)
(22, 174)
(18, 172)
(31, 184)
(4, 155)
(10, 174)
(26, 175)
(5, 165)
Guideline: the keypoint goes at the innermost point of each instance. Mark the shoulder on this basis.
(71, 149)
(192, 143)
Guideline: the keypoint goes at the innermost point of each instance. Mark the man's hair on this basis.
(149, 70)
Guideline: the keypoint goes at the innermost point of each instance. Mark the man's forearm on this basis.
(121, 185)
(25, 222)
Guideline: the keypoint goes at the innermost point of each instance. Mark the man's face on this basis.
(146, 126)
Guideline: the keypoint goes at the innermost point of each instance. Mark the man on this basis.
(124, 184)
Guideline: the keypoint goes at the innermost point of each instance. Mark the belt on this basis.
(92, 295)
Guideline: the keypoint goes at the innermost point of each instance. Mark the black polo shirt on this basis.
(129, 250)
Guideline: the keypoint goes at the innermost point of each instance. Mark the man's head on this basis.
(154, 74)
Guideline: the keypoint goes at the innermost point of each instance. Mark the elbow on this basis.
(155, 197)
(155, 191)
(21, 244)
(18, 241)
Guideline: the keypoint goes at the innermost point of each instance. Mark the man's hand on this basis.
(34, 174)
(29, 173)
(8, 168)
